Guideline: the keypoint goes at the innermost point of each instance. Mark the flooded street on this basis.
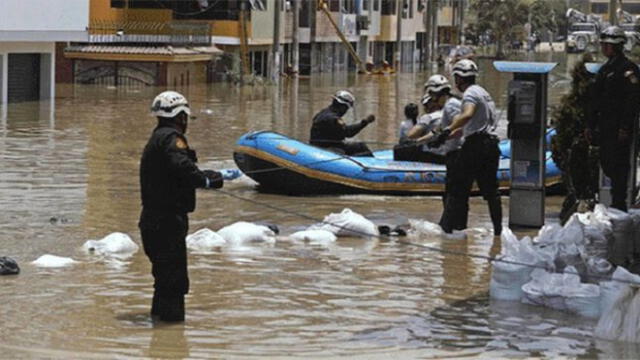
(69, 173)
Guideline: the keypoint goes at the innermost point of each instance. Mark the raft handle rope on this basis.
(410, 243)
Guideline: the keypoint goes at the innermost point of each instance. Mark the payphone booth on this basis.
(604, 183)
(527, 123)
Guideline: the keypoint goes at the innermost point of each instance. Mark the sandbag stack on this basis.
(571, 268)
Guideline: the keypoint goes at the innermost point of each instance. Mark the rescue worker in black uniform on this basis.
(479, 155)
(168, 179)
(329, 130)
(614, 113)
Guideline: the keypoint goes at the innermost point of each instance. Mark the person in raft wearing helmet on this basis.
(613, 113)
(330, 131)
(479, 155)
(168, 179)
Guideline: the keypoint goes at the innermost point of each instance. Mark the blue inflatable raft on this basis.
(280, 164)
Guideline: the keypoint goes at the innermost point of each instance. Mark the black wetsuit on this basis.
(614, 106)
(168, 179)
(329, 131)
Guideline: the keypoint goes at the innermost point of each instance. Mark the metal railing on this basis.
(174, 32)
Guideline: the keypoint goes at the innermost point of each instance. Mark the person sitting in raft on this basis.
(329, 131)
(411, 119)
(409, 148)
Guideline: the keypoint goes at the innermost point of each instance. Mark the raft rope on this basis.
(413, 244)
(339, 157)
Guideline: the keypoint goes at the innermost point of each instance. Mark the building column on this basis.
(3, 78)
(47, 76)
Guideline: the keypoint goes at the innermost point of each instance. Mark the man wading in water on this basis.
(168, 179)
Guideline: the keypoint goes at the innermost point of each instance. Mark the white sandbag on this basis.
(424, 228)
(116, 243)
(598, 270)
(612, 319)
(615, 301)
(53, 261)
(244, 232)
(623, 234)
(347, 223)
(631, 322)
(610, 290)
(511, 271)
(204, 240)
(583, 300)
(316, 237)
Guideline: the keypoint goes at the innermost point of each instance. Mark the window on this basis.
(407, 6)
(365, 5)
(388, 7)
(376, 5)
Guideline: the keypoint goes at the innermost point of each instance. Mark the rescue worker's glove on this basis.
(214, 179)
(369, 119)
(406, 142)
(439, 138)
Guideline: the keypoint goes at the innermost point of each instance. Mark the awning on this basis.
(166, 53)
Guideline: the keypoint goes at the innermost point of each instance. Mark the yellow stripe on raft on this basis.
(358, 183)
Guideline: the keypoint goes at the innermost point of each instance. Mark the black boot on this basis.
(155, 307)
(171, 308)
(495, 211)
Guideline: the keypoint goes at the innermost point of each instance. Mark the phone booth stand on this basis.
(527, 117)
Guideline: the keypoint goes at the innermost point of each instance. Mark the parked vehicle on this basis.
(583, 31)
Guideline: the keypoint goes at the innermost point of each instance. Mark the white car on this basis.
(581, 35)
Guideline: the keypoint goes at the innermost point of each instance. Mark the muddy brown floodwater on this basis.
(69, 173)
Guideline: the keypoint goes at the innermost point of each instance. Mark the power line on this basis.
(410, 243)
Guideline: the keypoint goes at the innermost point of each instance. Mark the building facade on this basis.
(29, 31)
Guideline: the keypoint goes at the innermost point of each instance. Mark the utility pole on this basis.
(434, 30)
(295, 52)
(426, 42)
(275, 57)
(461, 4)
(613, 19)
(398, 54)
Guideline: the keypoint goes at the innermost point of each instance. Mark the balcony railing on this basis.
(177, 33)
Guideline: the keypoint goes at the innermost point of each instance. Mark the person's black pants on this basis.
(615, 160)
(477, 161)
(403, 152)
(454, 174)
(163, 239)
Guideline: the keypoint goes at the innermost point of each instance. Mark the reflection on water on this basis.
(73, 176)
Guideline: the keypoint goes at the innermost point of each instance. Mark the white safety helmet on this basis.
(169, 104)
(465, 68)
(613, 35)
(345, 97)
(425, 99)
(436, 83)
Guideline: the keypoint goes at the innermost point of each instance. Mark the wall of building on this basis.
(44, 15)
(47, 71)
(262, 23)
(185, 74)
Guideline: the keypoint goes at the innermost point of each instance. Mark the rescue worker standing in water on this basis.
(614, 112)
(168, 179)
(329, 130)
(479, 155)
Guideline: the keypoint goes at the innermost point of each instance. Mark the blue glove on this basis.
(230, 174)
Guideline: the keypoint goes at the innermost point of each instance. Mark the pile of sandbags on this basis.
(570, 268)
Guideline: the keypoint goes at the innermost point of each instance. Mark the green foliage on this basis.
(570, 151)
(503, 18)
